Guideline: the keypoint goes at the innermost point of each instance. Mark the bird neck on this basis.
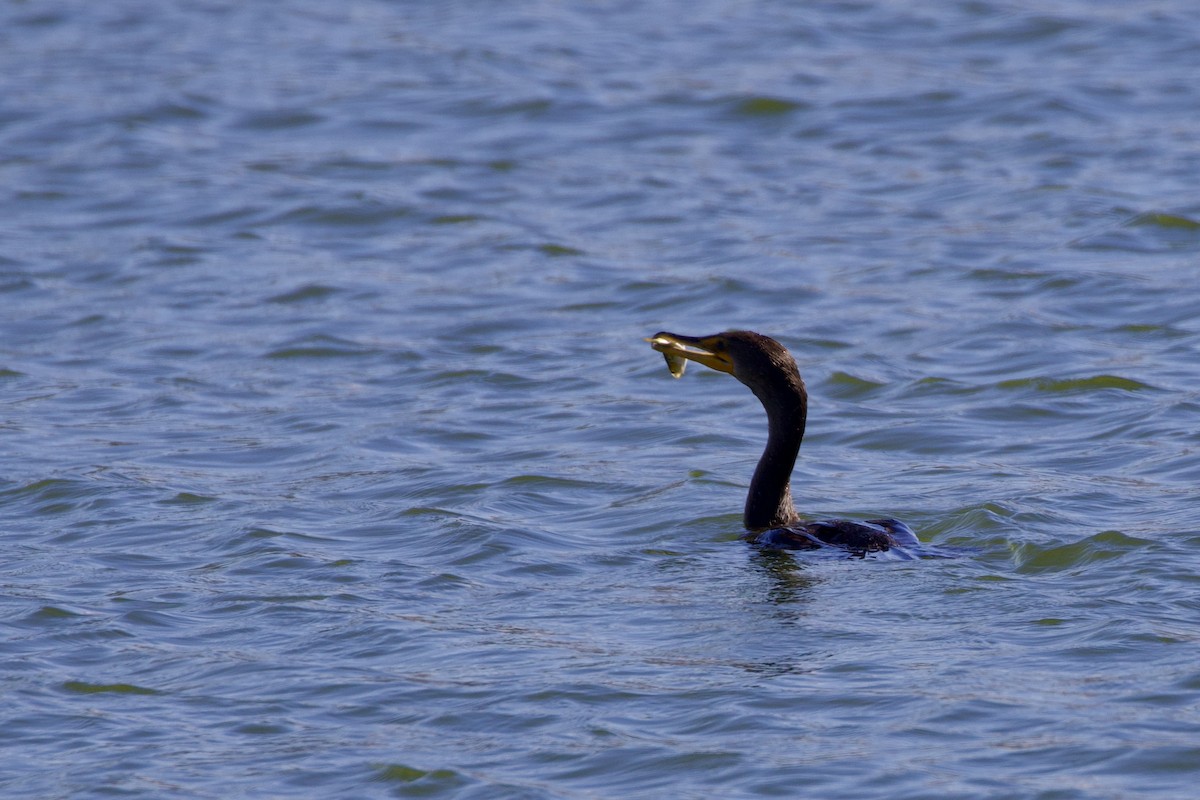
(769, 501)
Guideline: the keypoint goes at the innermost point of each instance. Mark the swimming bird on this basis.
(770, 517)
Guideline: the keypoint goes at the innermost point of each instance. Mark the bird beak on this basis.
(678, 350)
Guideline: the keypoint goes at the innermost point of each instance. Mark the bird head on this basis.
(758, 361)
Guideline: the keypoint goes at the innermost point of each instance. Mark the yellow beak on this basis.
(678, 350)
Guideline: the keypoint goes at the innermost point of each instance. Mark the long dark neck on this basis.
(769, 502)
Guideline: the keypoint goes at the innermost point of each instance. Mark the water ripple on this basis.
(330, 437)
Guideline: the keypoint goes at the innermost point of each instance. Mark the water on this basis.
(334, 464)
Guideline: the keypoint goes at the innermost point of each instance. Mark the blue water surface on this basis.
(334, 463)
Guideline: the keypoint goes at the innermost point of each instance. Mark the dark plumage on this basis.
(770, 516)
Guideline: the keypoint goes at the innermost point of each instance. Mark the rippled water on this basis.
(334, 464)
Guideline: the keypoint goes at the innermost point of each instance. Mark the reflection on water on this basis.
(787, 580)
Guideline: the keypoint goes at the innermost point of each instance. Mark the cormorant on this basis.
(766, 366)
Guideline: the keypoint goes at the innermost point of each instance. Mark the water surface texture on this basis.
(334, 463)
